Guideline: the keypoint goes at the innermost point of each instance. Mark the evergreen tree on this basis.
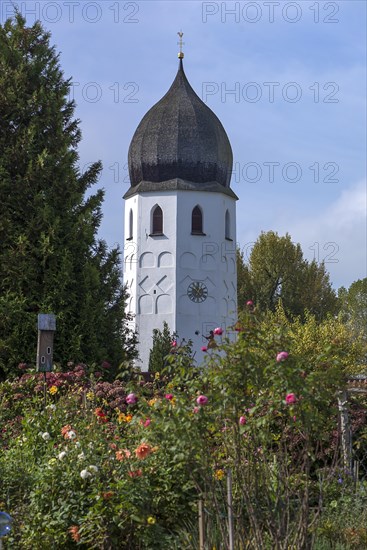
(276, 271)
(50, 258)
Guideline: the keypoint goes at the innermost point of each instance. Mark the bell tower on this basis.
(180, 221)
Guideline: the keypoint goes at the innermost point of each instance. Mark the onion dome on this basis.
(180, 144)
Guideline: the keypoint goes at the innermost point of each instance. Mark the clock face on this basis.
(197, 292)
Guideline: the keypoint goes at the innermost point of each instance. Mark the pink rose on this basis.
(249, 303)
(174, 344)
(202, 400)
(195, 410)
(147, 423)
(282, 356)
(242, 420)
(204, 348)
(131, 399)
(290, 398)
(218, 331)
(169, 396)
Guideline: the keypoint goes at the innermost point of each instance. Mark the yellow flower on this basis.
(219, 474)
(122, 417)
(151, 402)
(90, 395)
(157, 375)
(151, 520)
(53, 390)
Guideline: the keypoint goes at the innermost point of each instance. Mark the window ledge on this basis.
(129, 239)
(229, 239)
(156, 235)
(200, 233)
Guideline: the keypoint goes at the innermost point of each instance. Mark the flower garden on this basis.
(242, 452)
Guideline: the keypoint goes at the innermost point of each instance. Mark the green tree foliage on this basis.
(276, 270)
(353, 306)
(50, 258)
(310, 338)
(162, 345)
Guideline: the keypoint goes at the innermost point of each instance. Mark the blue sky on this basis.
(287, 80)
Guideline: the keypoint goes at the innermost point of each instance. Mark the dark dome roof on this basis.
(180, 139)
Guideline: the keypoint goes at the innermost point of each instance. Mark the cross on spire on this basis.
(180, 43)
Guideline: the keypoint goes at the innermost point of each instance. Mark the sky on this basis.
(286, 79)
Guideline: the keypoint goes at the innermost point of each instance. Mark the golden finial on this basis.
(180, 43)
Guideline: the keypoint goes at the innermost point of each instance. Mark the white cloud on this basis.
(337, 235)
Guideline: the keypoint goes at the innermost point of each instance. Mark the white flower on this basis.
(71, 434)
(61, 455)
(81, 456)
(46, 436)
(77, 443)
(93, 468)
(84, 474)
(90, 445)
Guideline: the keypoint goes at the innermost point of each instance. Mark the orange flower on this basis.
(143, 450)
(101, 415)
(65, 430)
(74, 532)
(107, 494)
(121, 455)
(135, 473)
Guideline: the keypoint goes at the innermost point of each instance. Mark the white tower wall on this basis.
(160, 269)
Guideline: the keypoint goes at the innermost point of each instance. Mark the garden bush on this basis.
(124, 463)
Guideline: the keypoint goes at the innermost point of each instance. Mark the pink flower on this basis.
(218, 331)
(169, 396)
(249, 303)
(202, 400)
(195, 410)
(174, 344)
(131, 399)
(204, 348)
(242, 420)
(290, 398)
(147, 423)
(282, 356)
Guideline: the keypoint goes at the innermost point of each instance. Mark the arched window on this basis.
(157, 221)
(197, 221)
(227, 223)
(131, 220)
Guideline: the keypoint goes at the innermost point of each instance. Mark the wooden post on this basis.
(345, 433)
(201, 524)
(46, 330)
(45, 344)
(230, 510)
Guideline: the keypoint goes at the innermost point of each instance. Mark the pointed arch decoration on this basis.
(131, 225)
(227, 226)
(197, 221)
(157, 221)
